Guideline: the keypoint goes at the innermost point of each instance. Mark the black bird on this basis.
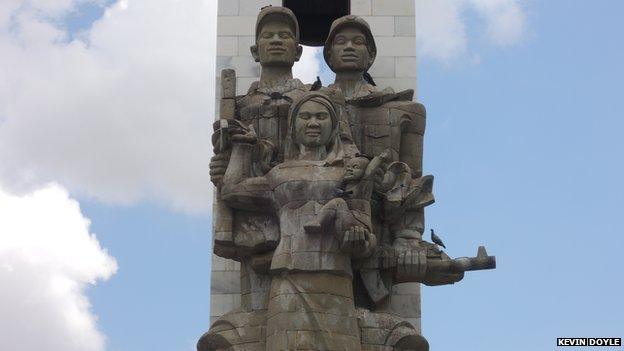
(316, 85)
(436, 239)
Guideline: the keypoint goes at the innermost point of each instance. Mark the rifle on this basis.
(224, 216)
(429, 266)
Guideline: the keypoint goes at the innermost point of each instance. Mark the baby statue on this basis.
(350, 214)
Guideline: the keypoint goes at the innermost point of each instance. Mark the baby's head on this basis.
(355, 168)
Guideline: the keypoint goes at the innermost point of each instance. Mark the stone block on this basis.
(406, 305)
(225, 282)
(223, 62)
(406, 289)
(405, 26)
(393, 7)
(361, 7)
(416, 322)
(383, 67)
(245, 66)
(244, 43)
(252, 7)
(227, 46)
(224, 264)
(228, 7)
(222, 303)
(236, 25)
(396, 46)
(381, 25)
(405, 67)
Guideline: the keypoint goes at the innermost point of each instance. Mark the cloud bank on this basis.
(121, 114)
(443, 35)
(47, 260)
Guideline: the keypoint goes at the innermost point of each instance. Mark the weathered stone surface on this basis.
(227, 46)
(361, 7)
(235, 25)
(405, 67)
(397, 46)
(393, 7)
(228, 7)
(405, 26)
(381, 25)
(383, 67)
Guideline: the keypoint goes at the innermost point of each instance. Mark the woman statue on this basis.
(311, 305)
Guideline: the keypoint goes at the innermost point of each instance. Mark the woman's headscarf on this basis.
(335, 152)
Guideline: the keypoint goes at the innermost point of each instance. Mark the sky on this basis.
(105, 121)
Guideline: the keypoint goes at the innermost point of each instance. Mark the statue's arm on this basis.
(408, 232)
(239, 189)
(375, 165)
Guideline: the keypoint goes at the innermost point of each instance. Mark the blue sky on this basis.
(526, 148)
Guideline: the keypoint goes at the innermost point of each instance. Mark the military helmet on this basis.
(350, 21)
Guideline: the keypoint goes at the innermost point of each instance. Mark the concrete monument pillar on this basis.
(392, 23)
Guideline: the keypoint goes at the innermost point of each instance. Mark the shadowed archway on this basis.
(316, 16)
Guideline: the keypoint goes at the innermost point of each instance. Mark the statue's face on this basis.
(349, 51)
(313, 124)
(276, 45)
(355, 168)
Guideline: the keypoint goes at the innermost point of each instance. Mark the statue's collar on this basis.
(280, 86)
(362, 90)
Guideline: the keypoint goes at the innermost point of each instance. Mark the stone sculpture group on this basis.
(320, 197)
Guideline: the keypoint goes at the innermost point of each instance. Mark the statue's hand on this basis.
(243, 135)
(386, 156)
(422, 262)
(218, 165)
(228, 131)
(411, 264)
(358, 241)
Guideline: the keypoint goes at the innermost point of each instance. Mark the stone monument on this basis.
(319, 208)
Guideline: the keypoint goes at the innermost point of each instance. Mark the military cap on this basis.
(285, 13)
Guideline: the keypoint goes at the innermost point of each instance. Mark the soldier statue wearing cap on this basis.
(251, 236)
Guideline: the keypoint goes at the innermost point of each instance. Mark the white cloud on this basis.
(505, 20)
(47, 260)
(309, 66)
(124, 115)
(442, 32)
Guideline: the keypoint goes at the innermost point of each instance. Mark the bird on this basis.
(316, 85)
(436, 239)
